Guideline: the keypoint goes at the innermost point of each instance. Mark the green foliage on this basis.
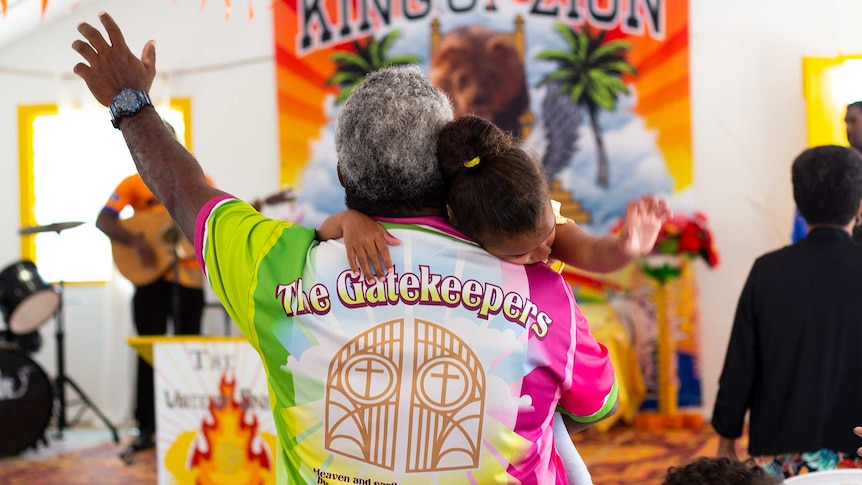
(663, 273)
(373, 54)
(590, 70)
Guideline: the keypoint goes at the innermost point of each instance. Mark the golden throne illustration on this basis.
(526, 119)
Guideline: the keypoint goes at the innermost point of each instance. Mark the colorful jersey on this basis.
(448, 370)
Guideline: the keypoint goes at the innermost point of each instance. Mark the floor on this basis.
(623, 455)
(71, 441)
(82, 456)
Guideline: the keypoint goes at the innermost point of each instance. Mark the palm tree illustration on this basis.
(367, 56)
(590, 73)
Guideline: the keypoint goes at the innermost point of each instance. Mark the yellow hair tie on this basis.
(472, 163)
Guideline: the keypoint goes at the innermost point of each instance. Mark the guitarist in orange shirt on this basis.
(152, 253)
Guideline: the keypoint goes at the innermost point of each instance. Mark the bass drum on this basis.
(26, 402)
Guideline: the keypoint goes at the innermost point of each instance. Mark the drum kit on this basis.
(28, 398)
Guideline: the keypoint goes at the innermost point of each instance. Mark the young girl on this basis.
(498, 196)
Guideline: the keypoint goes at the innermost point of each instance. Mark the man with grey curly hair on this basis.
(446, 369)
(386, 138)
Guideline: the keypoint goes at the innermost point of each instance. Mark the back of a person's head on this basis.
(494, 188)
(386, 139)
(719, 471)
(827, 184)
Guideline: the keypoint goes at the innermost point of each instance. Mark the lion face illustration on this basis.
(483, 74)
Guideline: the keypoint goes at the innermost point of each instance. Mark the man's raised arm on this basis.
(168, 169)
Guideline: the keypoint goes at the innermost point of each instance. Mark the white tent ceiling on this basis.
(25, 16)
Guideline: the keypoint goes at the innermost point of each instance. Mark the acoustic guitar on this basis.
(168, 243)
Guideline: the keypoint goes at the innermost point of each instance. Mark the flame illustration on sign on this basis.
(229, 449)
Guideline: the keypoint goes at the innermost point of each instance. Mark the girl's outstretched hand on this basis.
(641, 225)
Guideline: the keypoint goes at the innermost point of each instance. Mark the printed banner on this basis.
(213, 415)
(598, 88)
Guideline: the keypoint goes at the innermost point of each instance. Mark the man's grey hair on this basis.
(386, 138)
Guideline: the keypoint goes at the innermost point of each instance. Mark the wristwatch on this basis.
(127, 103)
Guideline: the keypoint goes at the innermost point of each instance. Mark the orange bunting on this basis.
(228, 6)
(4, 5)
(227, 3)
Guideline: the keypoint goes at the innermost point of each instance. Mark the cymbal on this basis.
(55, 227)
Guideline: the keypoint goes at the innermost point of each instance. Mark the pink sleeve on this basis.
(201, 225)
(593, 390)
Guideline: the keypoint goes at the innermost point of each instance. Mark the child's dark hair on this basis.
(719, 471)
(494, 188)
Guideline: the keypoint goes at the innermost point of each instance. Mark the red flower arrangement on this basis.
(680, 236)
(687, 236)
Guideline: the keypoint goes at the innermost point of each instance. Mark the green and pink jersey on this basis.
(446, 370)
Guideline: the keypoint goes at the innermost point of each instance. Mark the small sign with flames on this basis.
(214, 422)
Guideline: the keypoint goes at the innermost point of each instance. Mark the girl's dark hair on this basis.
(494, 188)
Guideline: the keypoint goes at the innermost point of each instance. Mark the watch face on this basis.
(126, 103)
(127, 100)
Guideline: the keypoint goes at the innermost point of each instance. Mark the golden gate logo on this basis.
(446, 397)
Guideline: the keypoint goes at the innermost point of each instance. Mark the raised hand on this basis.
(112, 67)
(641, 225)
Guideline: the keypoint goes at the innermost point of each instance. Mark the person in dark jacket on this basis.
(793, 358)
